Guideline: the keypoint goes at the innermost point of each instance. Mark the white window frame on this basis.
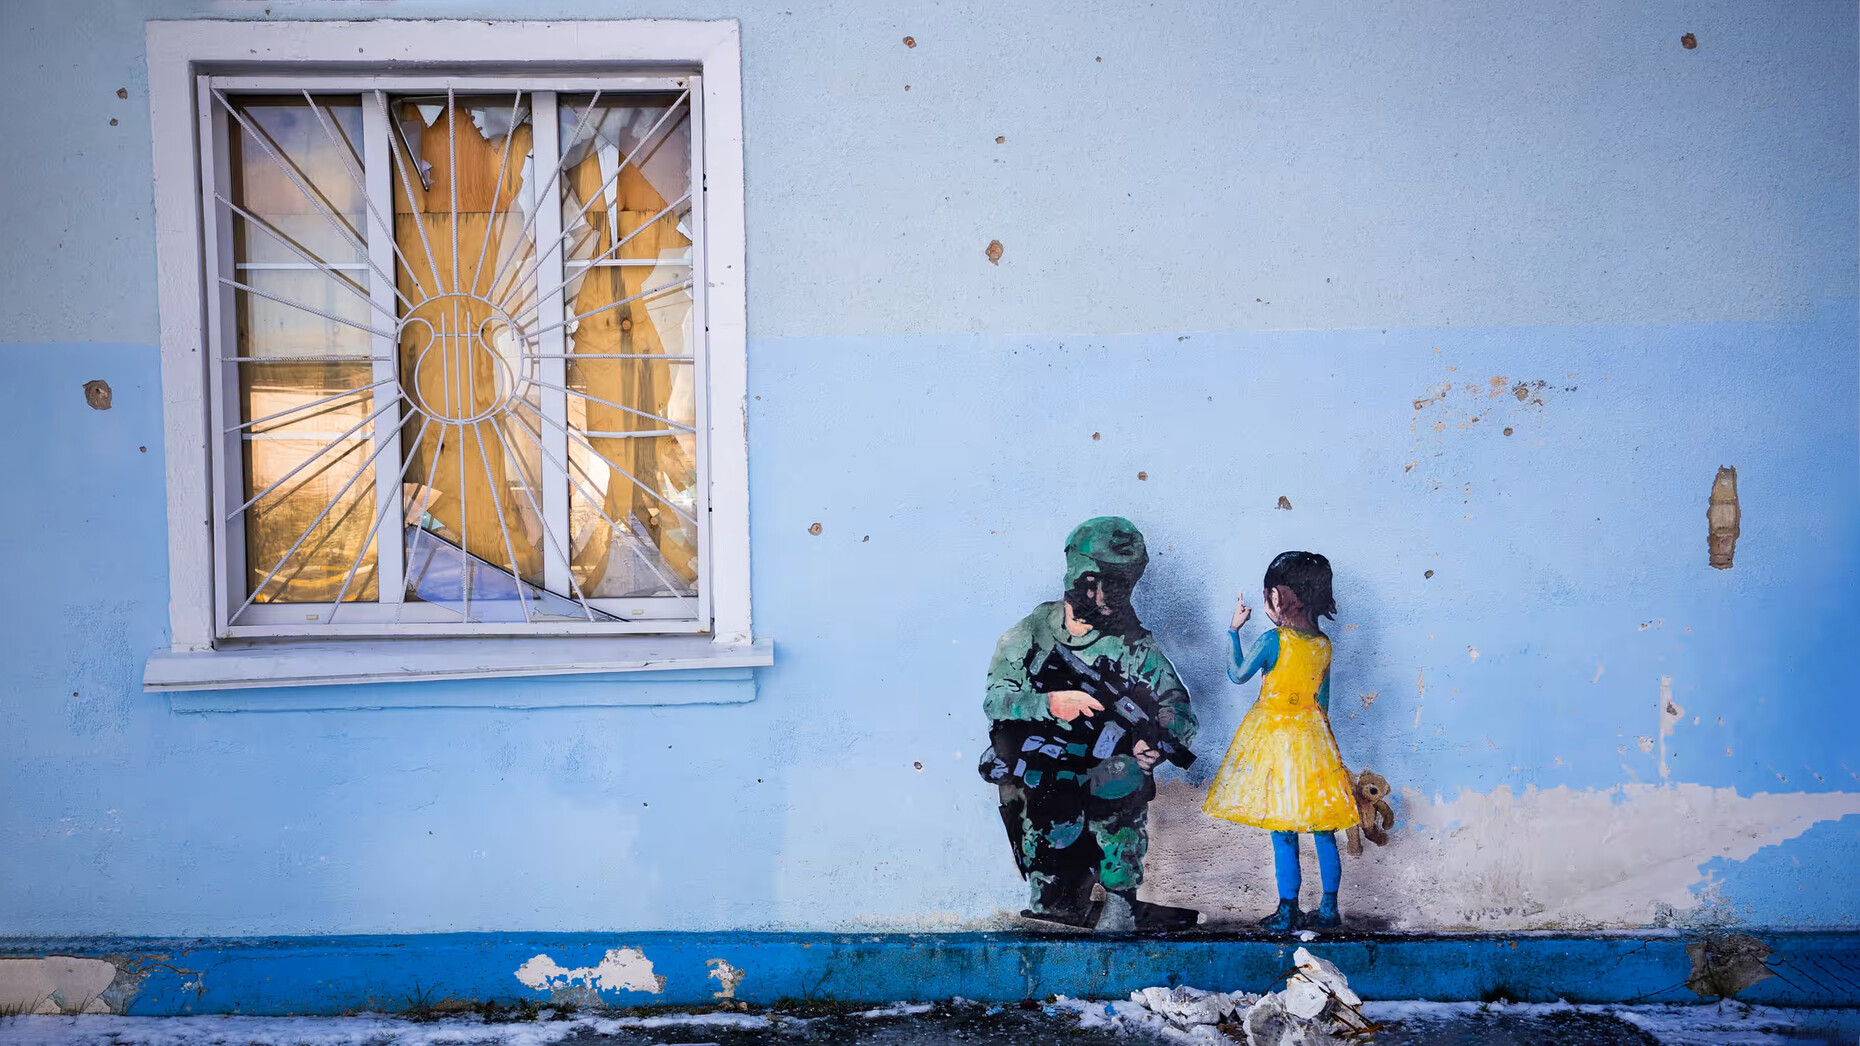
(208, 653)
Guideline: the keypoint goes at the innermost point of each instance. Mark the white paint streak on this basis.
(1472, 653)
(54, 984)
(621, 969)
(1549, 859)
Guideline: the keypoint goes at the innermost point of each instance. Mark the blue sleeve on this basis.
(1323, 694)
(1264, 656)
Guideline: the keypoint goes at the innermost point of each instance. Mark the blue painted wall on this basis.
(1241, 244)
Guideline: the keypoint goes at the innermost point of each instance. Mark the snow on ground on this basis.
(364, 1030)
(1722, 1024)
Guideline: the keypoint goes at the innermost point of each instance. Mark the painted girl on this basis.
(1283, 772)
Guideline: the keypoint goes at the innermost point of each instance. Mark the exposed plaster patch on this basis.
(621, 969)
(1723, 515)
(726, 975)
(1543, 859)
(1724, 966)
(55, 984)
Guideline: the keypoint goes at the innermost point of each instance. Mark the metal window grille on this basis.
(457, 354)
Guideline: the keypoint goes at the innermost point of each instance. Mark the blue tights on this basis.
(1285, 862)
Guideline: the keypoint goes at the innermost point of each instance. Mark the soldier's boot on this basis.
(1064, 899)
(1155, 917)
(1285, 919)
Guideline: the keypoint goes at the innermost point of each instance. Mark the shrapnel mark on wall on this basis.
(1723, 514)
(97, 394)
(1670, 714)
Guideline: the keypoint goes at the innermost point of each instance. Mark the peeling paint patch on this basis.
(723, 973)
(1724, 966)
(621, 969)
(55, 984)
(1540, 859)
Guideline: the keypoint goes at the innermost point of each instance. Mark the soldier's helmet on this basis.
(1110, 546)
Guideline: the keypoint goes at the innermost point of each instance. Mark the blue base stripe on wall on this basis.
(331, 975)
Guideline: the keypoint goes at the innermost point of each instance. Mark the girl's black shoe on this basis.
(1285, 920)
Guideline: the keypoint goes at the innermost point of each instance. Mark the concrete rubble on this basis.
(1315, 1008)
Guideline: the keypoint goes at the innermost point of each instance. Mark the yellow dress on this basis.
(1283, 771)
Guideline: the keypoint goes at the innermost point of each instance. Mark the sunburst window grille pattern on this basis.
(459, 378)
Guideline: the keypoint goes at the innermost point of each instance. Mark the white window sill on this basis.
(652, 670)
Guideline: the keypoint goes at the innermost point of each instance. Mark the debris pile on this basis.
(1315, 1008)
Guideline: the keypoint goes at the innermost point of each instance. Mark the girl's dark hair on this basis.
(1307, 574)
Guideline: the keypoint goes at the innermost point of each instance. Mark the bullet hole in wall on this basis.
(994, 252)
(814, 530)
(910, 41)
(122, 92)
(1000, 139)
(1143, 475)
(1284, 503)
(97, 394)
(1688, 41)
(1507, 432)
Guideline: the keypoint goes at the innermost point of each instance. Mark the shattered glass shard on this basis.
(439, 572)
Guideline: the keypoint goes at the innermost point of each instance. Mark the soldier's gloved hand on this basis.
(1068, 705)
(1147, 757)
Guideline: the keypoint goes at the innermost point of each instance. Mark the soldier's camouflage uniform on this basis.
(1075, 829)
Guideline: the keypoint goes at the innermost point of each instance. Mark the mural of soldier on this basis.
(1082, 705)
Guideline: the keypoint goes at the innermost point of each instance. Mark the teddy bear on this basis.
(1374, 815)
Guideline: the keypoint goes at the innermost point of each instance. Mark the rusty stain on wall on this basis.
(1724, 515)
